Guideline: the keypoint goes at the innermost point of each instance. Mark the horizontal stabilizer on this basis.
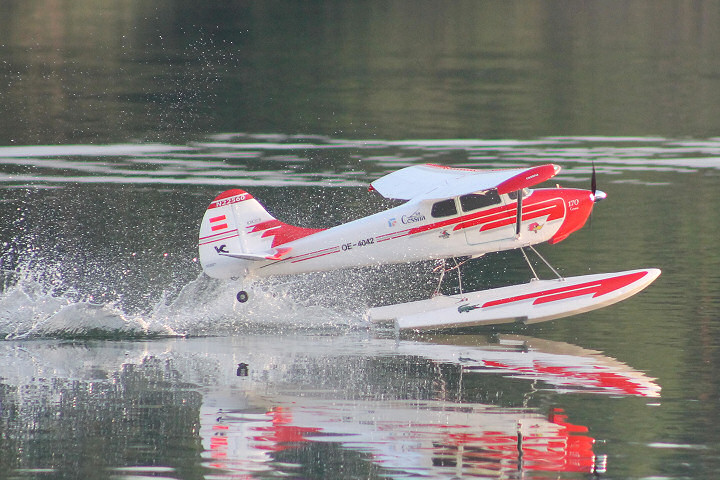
(274, 254)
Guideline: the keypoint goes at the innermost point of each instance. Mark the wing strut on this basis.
(518, 219)
(522, 250)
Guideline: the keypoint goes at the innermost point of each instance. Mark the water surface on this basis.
(120, 123)
(100, 269)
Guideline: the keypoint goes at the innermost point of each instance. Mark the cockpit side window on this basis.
(474, 201)
(444, 208)
(513, 195)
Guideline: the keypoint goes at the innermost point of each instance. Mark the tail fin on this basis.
(237, 230)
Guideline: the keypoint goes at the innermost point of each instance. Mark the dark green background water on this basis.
(119, 122)
(88, 72)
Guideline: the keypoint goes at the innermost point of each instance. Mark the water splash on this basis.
(27, 310)
(38, 304)
(208, 307)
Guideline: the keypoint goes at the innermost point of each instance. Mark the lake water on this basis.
(120, 124)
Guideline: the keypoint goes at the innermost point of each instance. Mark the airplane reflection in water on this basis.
(432, 437)
(565, 367)
(423, 438)
(271, 404)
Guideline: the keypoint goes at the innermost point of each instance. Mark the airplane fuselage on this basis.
(422, 230)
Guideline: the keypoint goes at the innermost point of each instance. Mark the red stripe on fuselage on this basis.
(554, 210)
(308, 256)
(497, 217)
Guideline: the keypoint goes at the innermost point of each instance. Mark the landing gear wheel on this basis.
(242, 296)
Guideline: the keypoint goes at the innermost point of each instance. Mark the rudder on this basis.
(222, 233)
(237, 231)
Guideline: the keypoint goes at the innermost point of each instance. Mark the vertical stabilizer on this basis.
(237, 232)
(222, 233)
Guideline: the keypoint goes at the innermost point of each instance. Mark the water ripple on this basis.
(282, 160)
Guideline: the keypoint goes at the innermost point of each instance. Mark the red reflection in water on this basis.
(476, 440)
(587, 377)
(281, 435)
(536, 446)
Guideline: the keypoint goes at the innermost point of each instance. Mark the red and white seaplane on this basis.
(449, 213)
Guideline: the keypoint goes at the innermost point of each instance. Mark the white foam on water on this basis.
(209, 307)
(34, 307)
(26, 311)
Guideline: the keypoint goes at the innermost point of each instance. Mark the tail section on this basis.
(237, 231)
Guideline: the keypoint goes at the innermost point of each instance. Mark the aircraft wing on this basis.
(432, 182)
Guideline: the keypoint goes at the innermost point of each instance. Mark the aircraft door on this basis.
(489, 222)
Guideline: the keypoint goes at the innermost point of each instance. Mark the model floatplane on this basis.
(448, 213)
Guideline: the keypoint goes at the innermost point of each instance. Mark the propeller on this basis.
(597, 195)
